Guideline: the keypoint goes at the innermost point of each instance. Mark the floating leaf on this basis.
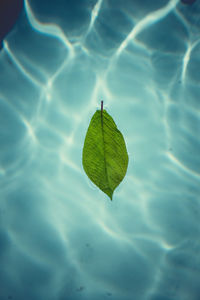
(105, 157)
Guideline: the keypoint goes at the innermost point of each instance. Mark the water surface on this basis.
(60, 237)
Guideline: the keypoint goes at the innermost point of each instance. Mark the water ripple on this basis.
(59, 235)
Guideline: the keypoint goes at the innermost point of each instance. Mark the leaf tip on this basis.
(110, 196)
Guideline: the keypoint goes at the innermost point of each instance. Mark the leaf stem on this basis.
(102, 112)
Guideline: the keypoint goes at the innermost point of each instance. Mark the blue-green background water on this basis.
(60, 237)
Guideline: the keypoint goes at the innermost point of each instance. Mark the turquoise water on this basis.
(60, 237)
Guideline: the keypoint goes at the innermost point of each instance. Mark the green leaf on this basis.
(105, 158)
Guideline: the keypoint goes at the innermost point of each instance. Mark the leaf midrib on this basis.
(104, 152)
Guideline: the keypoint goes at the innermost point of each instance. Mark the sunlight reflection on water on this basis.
(55, 223)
